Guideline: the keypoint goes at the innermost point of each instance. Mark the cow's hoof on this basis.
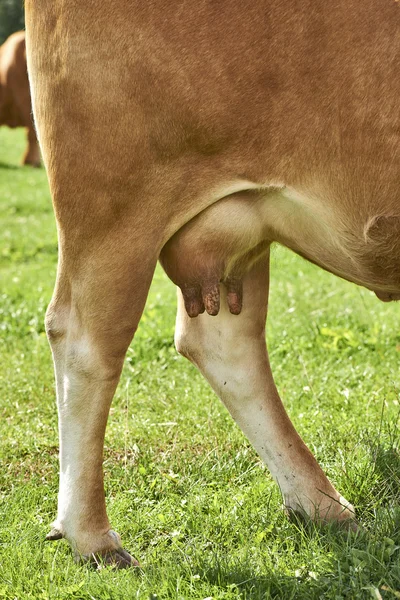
(349, 525)
(119, 559)
(304, 521)
(54, 534)
(113, 556)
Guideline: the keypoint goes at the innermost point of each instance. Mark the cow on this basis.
(199, 133)
(15, 98)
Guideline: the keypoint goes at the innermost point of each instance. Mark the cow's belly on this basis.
(223, 242)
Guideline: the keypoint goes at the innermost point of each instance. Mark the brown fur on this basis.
(203, 131)
(15, 98)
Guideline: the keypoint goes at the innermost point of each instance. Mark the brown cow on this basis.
(202, 132)
(15, 98)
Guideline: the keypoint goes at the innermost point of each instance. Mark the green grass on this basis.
(184, 488)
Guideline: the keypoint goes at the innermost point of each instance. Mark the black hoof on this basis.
(54, 534)
(119, 559)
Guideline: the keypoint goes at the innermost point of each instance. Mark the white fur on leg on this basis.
(84, 393)
(231, 353)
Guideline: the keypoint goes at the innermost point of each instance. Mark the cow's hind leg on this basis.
(230, 350)
(97, 304)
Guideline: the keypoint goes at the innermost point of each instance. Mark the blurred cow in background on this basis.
(15, 98)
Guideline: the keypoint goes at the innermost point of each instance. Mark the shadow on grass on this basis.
(387, 466)
(362, 565)
(8, 166)
(244, 582)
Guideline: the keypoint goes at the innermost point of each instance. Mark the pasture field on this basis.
(184, 488)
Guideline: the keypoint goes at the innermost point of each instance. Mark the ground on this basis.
(184, 488)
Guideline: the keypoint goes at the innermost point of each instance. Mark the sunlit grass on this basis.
(184, 488)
